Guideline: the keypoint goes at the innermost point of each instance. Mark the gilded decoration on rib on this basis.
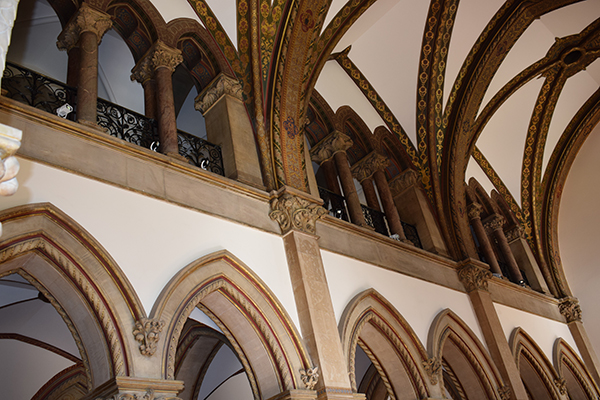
(293, 212)
(146, 332)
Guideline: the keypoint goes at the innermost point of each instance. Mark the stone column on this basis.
(335, 146)
(331, 175)
(525, 258)
(297, 214)
(475, 277)
(370, 194)
(228, 125)
(143, 74)
(85, 30)
(494, 224)
(474, 213)
(125, 387)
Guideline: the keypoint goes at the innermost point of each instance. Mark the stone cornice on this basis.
(368, 165)
(474, 277)
(335, 142)
(405, 180)
(570, 309)
(220, 86)
(160, 55)
(86, 19)
(293, 212)
(514, 233)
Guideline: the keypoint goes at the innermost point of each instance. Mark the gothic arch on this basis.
(245, 310)
(538, 375)
(573, 374)
(370, 321)
(451, 341)
(65, 263)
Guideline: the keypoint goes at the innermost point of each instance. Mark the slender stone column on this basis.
(85, 30)
(494, 224)
(73, 66)
(335, 145)
(475, 277)
(474, 213)
(370, 194)
(330, 173)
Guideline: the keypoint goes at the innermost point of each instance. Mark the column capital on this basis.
(293, 212)
(159, 55)
(473, 276)
(474, 211)
(368, 165)
(405, 180)
(333, 143)
(86, 19)
(514, 233)
(494, 223)
(220, 86)
(570, 309)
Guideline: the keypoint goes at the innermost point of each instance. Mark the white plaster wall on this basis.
(418, 301)
(542, 330)
(151, 239)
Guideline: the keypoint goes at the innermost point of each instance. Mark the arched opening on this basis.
(574, 375)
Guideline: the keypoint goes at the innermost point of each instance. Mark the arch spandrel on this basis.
(573, 373)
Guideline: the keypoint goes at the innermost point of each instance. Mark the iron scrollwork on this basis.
(200, 153)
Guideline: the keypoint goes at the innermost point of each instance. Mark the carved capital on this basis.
(561, 385)
(293, 212)
(405, 180)
(494, 223)
(310, 377)
(371, 163)
(570, 309)
(334, 142)
(220, 86)
(146, 332)
(474, 211)
(147, 395)
(474, 277)
(433, 367)
(86, 19)
(159, 55)
(143, 70)
(514, 234)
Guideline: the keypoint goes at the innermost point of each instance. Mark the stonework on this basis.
(474, 277)
(310, 377)
(570, 309)
(87, 19)
(146, 332)
(494, 223)
(405, 180)
(514, 233)
(220, 86)
(326, 148)
(10, 141)
(160, 55)
(293, 212)
(371, 163)
(474, 211)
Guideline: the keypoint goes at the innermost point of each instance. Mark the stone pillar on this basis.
(125, 387)
(331, 175)
(85, 30)
(494, 224)
(228, 125)
(370, 194)
(525, 258)
(73, 66)
(335, 146)
(475, 277)
(474, 213)
(297, 214)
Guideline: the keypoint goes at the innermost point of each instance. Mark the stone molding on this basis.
(371, 163)
(570, 309)
(494, 223)
(514, 233)
(293, 212)
(86, 19)
(333, 143)
(433, 367)
(405, 180)
(146, 332)
(220, 86)
(160, 55)
(310, 377)
(474, 277)
(474, 211)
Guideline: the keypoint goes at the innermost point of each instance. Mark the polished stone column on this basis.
(393, 218)
(474, 213)
(331, 175)
(85, 30)
(145, 77)
(73, 66)
(370, 194)
(494, 224)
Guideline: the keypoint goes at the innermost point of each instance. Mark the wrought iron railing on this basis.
(411, 233)
(37, 90)
(127, 125)
(375, 219)
(200, 153)
(334, 203)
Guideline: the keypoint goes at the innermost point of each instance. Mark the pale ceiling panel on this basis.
(475, 171)
(336, 5)
(172, 9)
(225, 11)
(572, 19)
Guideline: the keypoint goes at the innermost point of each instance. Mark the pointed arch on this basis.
(246, 311)
(573, 374)
(372, 322)
(537, 373)
(65, 263)
(451, 341)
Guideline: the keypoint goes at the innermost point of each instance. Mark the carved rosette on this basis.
(293, 212)
(405, 180)
(310, 377)
(570, 309)
(474, 277)
(433, 367)
(371, 163)
(474, 211)
(335, 142)
(494, 223)
(220, 86)
(146, 332)
(87, 19)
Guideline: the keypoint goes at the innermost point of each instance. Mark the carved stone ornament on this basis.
(561, 385)
(87, 19)
(146, 332)
(149, 395)
(334, 142)
(159, 55)
(405, 180)
(219, 87)
(494, 223)
(433, 367)
(371, 163)
(570, 309)
(310, 377)
(293, 212)
(504, 392)
(514, 233)
(474, 277)
(474, 211)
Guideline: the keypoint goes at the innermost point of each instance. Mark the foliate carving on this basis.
(474, 277)
(433, 367)
(165, 56)
(514, 233)
(146, 332)
(570, 309)
(335, 142)
(143, 70)
(405, 180)
(310, 377)
(219, 87)
(474, 211)
(370, 164)
(149, 395)
(561, 385)
(293, 212)
(494, 222)
(504, 392)
(87, 19)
